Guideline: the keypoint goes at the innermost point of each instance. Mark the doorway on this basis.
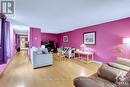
(23, 42)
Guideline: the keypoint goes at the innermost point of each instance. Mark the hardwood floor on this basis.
(20, 73)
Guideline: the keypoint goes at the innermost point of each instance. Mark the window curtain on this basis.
(1, 41)
(7, 46)
(0, 30)
(2, 18)
(5, 52)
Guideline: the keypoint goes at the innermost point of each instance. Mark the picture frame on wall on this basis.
(65, 38)
(89, 38)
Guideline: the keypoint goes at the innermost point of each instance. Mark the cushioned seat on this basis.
(102, 81)
(105, 77)
(84, 82)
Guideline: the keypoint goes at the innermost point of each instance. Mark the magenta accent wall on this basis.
(49, 36)
(35, 37)
(108, 39)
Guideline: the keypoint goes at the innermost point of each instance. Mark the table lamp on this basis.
(83, 46)
(43, 46)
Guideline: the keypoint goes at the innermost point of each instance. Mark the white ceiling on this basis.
(56, 16)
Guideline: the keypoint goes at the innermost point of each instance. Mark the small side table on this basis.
(84, 55)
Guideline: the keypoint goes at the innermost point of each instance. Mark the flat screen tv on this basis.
(0, 30)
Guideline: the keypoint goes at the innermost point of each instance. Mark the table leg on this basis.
(92, 57)
(87, 57)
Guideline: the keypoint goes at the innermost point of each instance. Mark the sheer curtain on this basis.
(1, 40)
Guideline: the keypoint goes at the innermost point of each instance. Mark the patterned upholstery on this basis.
(124, 81)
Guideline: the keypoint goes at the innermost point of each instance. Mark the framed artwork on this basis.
(65, 38)
(89, 38)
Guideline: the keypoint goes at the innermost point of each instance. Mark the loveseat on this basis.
(113, 74)
(40, 57)
(105, 77)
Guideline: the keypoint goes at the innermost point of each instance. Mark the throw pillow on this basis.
(119, 66)
(123, 61)
(39, 51)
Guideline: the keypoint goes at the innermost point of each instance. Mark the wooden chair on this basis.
(61, 57)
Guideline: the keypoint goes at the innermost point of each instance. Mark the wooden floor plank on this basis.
(20, 73)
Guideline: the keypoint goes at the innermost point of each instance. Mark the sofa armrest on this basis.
(85, 82)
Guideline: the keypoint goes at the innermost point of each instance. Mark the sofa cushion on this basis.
(110, 73)
(44, 50)
(123, 61)
(119, 66)
(39, 52)
(85, 82)
(102, 81)
(34, 48)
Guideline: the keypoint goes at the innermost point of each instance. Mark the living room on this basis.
(83, 44)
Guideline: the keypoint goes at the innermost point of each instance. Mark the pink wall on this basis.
(108, 39)
(34, 37)
(49, 36)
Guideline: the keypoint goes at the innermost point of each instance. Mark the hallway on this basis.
(19, 73)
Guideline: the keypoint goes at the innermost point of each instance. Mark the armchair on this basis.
(67, 51)
(70, 53)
